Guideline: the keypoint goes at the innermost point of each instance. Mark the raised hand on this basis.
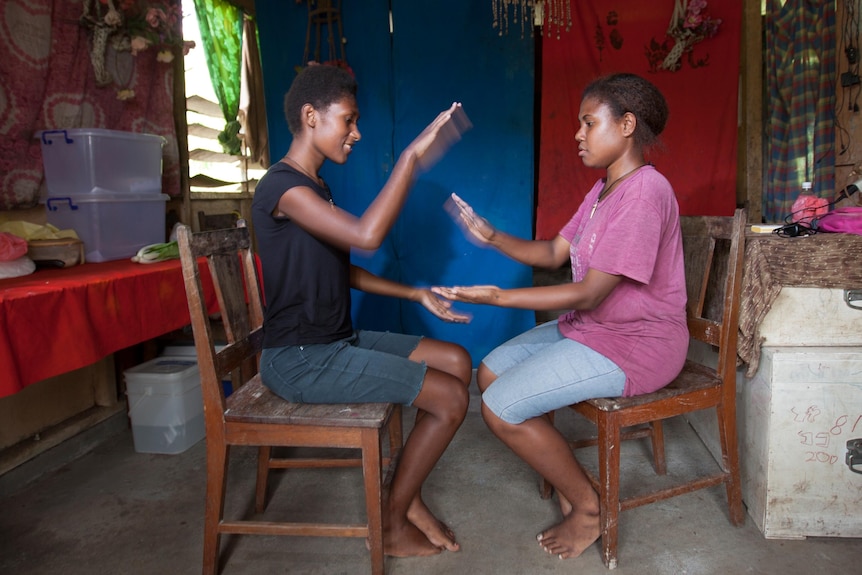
(436, 139)
(474, 225)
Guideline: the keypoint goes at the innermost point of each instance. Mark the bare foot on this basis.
(571, 536)
(407, 541)
(435, 530)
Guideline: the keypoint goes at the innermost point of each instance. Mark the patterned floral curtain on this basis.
(800, 76)
(48, 81)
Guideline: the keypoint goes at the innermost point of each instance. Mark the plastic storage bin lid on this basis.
(186, 350)
(102, 197)
(168, 375)
(61, 133)
(179, 350)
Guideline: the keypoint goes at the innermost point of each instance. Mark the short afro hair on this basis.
(319, 85)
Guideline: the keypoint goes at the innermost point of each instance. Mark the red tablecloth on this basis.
(54, 321)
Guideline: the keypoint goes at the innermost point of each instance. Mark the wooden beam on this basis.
(246, 6)
(750, 164)
(181, 127)
(25, 450)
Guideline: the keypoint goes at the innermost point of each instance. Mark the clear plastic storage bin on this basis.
(113, 226)
(86, 160)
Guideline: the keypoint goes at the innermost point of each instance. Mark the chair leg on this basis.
(263, 456)
(609, 482)
(373, 475)
(217, 463)
(730, 462)
(546, 490)
(657, 437)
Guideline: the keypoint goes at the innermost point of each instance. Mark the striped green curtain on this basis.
(220, 23)
(800, 75)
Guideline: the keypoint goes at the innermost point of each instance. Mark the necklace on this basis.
(316, 179)
(609, 187)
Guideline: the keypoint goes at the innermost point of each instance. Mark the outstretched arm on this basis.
(549, 254)
(586, 294)
(343, 229)
(364, 280)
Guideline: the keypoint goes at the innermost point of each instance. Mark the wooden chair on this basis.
(713, 262)
(252, 415)
(208, 222)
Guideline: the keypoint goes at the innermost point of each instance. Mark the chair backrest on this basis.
(227, 257)
(210, 222)
(714, 250)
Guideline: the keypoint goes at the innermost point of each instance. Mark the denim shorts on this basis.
(542, 370)
(367, 367)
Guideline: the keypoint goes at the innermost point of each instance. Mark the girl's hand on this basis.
(470, 294)
(473, 224)
(441, 307)
(436, 139)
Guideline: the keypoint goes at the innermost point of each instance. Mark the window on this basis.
(210, 169)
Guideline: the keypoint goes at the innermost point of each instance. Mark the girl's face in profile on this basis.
(336, 129)
(600, 136)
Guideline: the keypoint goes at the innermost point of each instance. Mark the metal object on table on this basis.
(854, 455)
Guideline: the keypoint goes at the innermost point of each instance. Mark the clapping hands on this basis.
(486, 294)
(436, 139)
(475, 226)
(442, 308)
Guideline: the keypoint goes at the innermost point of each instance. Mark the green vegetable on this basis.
(157, 253)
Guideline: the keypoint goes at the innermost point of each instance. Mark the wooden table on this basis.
(55, 321)
(823, 260)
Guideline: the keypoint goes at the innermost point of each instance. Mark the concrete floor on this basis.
(113, 510)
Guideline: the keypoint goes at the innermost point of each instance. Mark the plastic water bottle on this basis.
(807, 206)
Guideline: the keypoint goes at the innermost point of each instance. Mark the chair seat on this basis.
(255, 403)
(694, 377)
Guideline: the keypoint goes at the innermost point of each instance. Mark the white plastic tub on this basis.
(189, 352)
(165, 405)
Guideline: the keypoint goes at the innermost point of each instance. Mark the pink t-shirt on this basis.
(641, 325)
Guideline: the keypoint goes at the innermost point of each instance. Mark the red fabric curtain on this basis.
(48, 82)
(699, 148)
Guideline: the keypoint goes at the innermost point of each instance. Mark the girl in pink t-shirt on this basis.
(626, 333)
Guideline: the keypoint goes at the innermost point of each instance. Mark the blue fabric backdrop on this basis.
(440, 51)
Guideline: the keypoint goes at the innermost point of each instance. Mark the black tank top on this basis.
(306, 281)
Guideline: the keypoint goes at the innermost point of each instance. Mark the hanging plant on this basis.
(132, 26)
(154, 24)
(689, 25)
(103, 20)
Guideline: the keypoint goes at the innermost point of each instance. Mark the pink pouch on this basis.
(846, 220)
(11, 247)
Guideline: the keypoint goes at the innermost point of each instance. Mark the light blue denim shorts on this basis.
(367, 367)
(542, 370)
